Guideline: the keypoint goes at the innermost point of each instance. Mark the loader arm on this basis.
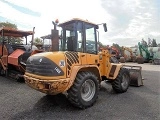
(141, 47)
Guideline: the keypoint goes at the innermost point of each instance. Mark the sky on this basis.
(128, 21)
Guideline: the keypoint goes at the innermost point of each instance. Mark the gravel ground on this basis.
(20, 102)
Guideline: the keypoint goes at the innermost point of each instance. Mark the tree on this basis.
(38, 42)
(149, 42)
(8, 24)
(101, 46)
(144, 43)
(12, 40)
(117, 47)
(154, 43)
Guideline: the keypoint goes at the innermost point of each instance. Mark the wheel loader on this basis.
(13, 56)
(77, 68)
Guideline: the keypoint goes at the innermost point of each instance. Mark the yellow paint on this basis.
(98, 64)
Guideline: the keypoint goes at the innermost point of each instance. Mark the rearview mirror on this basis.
(105, 27)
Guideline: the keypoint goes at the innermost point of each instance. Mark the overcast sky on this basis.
(128, 21)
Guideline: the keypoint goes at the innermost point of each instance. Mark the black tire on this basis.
(122, 60)
(140, 60)
(84, 92)
(21, 80)
(122, 82)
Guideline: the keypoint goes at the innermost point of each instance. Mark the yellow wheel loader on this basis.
(77, 67)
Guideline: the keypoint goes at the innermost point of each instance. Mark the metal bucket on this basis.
(135, 75)
(156, 62)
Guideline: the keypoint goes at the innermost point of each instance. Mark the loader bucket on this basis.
(135, 75)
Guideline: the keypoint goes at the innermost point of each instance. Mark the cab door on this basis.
(91, 44)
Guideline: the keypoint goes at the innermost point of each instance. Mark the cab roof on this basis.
(77, 19)
(7, 31)
(46, 37)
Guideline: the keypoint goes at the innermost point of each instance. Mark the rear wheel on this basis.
(122, 60)
(140, 60)
(84, 91)
(122, 82)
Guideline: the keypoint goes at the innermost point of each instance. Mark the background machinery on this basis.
(115, 52)
(13, 56)
(144, 54)
(148, 54)
(128, 55)
(77, 68)
(156, 55)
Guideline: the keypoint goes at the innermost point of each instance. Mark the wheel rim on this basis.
(88, 90)
(125, 79)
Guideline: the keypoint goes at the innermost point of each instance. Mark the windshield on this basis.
(79, 37)
(72, 37)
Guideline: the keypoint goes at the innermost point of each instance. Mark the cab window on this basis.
(90, 39)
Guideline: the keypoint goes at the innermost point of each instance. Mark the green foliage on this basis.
(144, 43)
(37, 41)
(8, 24)
(151, 43)
(154, 43)
(16, 41)
(100, 45)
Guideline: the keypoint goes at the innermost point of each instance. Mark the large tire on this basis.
(122, 82)
(140, 60)
(122, 60)
(84, 92)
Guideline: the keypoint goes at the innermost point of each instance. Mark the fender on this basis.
(78, 68)
(114, 70)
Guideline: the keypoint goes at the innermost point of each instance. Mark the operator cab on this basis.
(79, 36)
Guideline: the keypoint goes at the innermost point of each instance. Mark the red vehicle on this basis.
(13, 56)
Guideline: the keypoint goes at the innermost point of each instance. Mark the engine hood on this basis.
(46, 64)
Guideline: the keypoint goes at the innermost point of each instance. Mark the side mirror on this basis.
(105, 27)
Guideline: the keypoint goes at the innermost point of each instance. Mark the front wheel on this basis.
(140, 60)
(122, 82)
(122, 60)
(84, 91)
